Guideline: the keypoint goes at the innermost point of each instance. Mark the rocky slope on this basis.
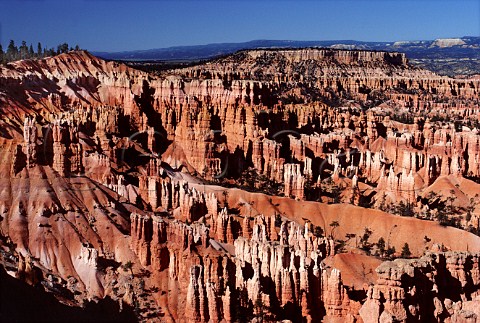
(259, 185)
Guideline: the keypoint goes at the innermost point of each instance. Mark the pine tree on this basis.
(50, 52)
(406, 251)
(381, 245)
(2, 54)
(31, 53)
(62, 48)
(390, 252)
(333, 225)
(23, 50)
(39, 50)
(12, 51)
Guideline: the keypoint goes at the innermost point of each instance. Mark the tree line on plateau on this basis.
(14, 53)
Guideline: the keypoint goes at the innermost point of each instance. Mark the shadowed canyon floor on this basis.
(305, 185)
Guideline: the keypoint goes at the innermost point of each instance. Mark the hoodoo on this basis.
(305, 185)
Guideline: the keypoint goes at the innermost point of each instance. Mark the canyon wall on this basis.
(104, 166)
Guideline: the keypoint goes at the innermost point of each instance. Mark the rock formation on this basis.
(164, 190)
(422, 289)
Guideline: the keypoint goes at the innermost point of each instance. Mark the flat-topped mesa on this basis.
(354, 72)
(340, 56)
(279, 65)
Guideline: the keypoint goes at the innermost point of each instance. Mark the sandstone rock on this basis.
(117, 174)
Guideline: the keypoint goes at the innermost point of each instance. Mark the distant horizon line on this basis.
(272, 40)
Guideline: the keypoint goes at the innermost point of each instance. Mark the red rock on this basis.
(122, 167)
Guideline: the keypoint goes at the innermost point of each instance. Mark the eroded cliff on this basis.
(202, 194)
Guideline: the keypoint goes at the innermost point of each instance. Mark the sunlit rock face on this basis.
(255, 186)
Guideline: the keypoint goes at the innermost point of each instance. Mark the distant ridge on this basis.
(464, 47)
(216, 49)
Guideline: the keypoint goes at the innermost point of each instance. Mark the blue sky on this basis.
(116, 25)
